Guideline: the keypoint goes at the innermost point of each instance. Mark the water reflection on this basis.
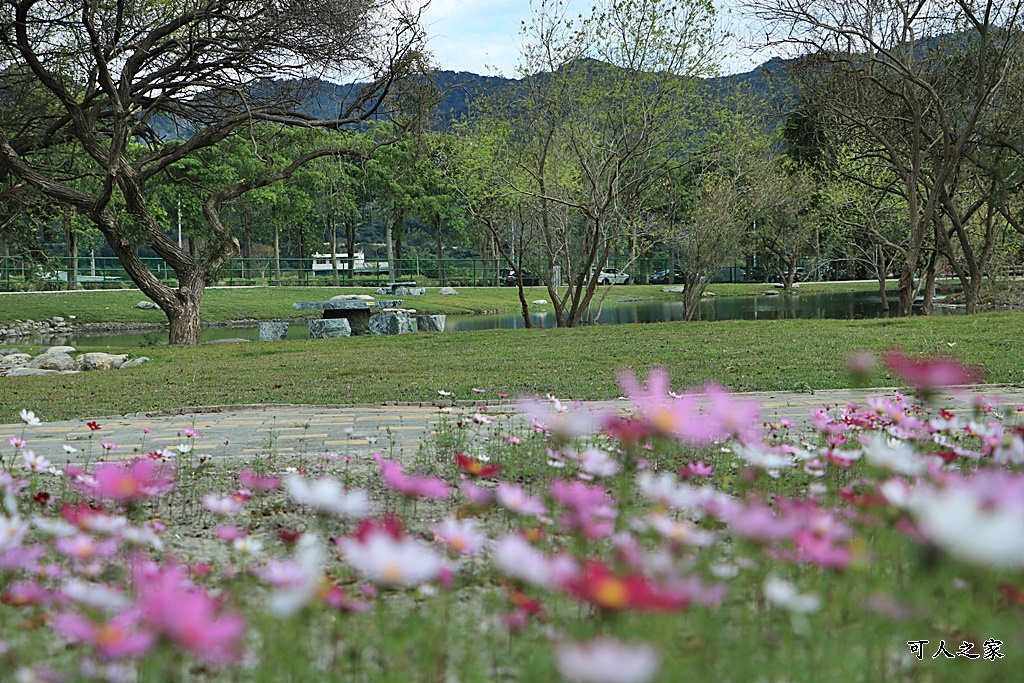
(844, 305)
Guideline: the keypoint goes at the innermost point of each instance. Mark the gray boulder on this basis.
(15, 359)
(146, 305)
(59, 349)
(101, 361)
(275, 331)
(447, 291)
(352, 297)
(771, 292)
(674, 290)
(28, 372)
(417, 291)
(134, 362)
(392, 323)
(330, 328)
(231, 340)
(540, 302)
(54, 361)
(8, 352)
(430, 323)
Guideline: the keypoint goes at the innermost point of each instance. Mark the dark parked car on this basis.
(509, 279)
(662, 277)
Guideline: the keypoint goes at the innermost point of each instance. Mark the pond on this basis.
(840, 305)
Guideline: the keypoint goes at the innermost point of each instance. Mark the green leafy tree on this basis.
(182, 76)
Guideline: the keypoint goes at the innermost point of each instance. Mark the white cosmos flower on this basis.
(327, 495)
(36, 463)
(95, 595)
(383, 559)
(295, 581)
(598, 463)
(30, 418)
(893, 455)
(54, 526)
(12, 532)
(970, 526)
(606, 660)
(761, 456)
(784, 594)
(461, 536)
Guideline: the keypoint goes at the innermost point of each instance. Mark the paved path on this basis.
(395, 429)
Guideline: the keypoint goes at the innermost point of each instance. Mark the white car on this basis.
(612, 276)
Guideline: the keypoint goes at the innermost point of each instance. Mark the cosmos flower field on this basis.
(687, 540)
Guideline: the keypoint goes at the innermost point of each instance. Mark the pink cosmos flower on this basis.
(183, 613)
(231, 533)
(22, 593)
(515, 499)
(85, 547)
(589, 509)
(412, 485)
(477, 494)
(696, 469)
(516, 558)
(223, 505)
(258, 482)
(122, 637)
(931, 373)
(126, 482)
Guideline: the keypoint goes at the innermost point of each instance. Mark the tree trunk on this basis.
(333, 231)
(440, 250)
(184, 320)
(399, 236)
(72, 258)
(350, 246)
(389, 235)
(927, 304)
(277, 255)
(692, 291)
(301, 244)
(881, 274)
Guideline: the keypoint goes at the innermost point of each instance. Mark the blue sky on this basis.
(472, 35)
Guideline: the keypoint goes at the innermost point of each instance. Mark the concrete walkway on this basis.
(397, 430)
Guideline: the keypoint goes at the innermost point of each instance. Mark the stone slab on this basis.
(346, 304)
(329, 328)
(274, 331)
(430, 323)
(391, 324)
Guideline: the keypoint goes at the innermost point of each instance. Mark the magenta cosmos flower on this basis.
(126, 482)
(187, 616)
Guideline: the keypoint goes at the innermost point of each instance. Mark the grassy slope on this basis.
(275, 303)
(576, 363)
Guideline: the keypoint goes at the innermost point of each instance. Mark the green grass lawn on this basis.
(571, 363)
(275, 303)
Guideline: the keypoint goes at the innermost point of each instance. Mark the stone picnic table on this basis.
(356, 311)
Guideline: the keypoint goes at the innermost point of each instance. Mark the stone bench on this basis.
(396, 288)
(355, 311)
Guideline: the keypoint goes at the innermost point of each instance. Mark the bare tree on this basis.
(597, 123)
(907, 87)
(103, 78)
